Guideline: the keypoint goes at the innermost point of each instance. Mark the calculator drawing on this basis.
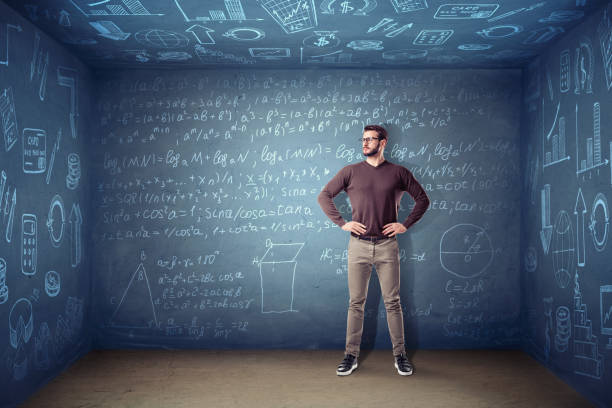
(28, 244)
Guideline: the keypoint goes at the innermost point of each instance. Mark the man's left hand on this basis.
(393, 229)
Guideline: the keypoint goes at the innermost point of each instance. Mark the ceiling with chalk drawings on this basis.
(306, 33)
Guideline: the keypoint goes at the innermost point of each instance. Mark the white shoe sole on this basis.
(349, 371)
(401, 372)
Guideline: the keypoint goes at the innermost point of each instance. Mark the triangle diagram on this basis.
(136, 309)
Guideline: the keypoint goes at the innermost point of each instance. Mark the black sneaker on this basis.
(348, 365)
(403, 365)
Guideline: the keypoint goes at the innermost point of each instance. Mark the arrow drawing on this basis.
(546, 231)
(4, 54)
(76, 220)
(580, 211)
(201, 34)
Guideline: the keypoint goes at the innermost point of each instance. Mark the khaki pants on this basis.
(384, 255)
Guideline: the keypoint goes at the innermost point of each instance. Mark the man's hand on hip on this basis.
(393, 229)
(354, 226)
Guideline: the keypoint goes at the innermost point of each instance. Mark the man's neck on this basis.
(375, 160)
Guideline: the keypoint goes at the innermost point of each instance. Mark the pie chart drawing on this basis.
(465, 250)
(563, 249)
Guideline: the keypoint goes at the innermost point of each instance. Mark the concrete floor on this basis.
(286, 378)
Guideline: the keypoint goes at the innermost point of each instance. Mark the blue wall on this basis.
(44, 211)
(565, 236)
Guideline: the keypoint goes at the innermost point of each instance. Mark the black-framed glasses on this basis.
(368, 139)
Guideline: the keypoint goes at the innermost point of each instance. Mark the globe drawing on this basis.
(465, 250)
(161, 38)
(563, 249)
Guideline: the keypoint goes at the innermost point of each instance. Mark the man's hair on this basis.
(382, 132)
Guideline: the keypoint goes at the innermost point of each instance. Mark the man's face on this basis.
(373, 147)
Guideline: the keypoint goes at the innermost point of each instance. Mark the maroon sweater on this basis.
(375, 194)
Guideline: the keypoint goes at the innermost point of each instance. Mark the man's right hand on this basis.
(354, 226)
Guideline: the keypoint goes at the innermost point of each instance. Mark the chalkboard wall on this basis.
(566, 272)
(44, 208)
(207, 228)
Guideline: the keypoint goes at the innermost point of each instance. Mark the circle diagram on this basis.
(598, 225)
(245, 34)
(161, 38)
(465, 250)
(563, 249)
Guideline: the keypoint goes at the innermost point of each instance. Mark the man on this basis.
(375, 188)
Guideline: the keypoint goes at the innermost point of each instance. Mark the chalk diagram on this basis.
(99, 8)
(55, 150)
(132, 312)
(244, 34)
(39, 67)
(110, 30)
(465, 11)
(365, 45)
(74, 171)
(270, 54)
(546, 230)
(277, 272)
(29, 244)
(565, 76)
(34, 151)
(4, 292)
(405, 6)
(599, 222)
(587, 360)
(604, 30)
(68, 77)
(543, 35)
(4, 45)
(7, 206)
(21, 325)
(52, 283)
(584, 67)
(531, 259)
(475, 47)
(465, 250)
(563, 329)
(593, 145)
(433, 37)
(580, 210)
(334, 57)
(76, 221)
(322, 40)
(173, 56)
(203, 35)
(563, 249)
(554, 140)
(500, 31)
(354, 7)
(292, 15)
(56, 213)
(517, 11)
(233, 8)
(161, 38)
(605, 309)
(9, 118)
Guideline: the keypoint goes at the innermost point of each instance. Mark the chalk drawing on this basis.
(292, 15)
(98, 8)
(605, 309)
(53, 153)
(604, 31)
(39, 67)
(76, 220)
(34, 151)
(565, 75)
(245, 34)
(110, 30)
(587, 359)
(563, 250)
(52, 283)
(202, 34)
(563, 329)
(4, 45)
(270, 53)
(9, 118)
(546, 230)
(161, 38)
(132, 312)
(500, 31)
(29, 244)
(74, 171)
(433, 37)
(554, 141)
(277, 273)
(516, 11)
(68, 77)
(404, 6)
(562, 16)
(594, 158)
(584, 67)
(599, 222)
(365, 45)
(56, 213)
(4, 292)
(322, 40)
(465, 11)
(465, 250)
(42, 347)
(353, 7)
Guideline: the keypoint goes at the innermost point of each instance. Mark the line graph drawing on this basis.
(546, 230)
(234, 9)
(354, 7)
(465, 250)
(405, 6)
(68, 77)
(131, 312)
(554, 141)
(334, 57)
(292, 15)
(605, 309)
(277, 273)
(599, 222)
(99, 8)
(4, 45)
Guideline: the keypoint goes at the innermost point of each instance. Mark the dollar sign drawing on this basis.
(321, 42)
(346, 7)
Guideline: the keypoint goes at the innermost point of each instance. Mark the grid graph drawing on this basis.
(292, 15)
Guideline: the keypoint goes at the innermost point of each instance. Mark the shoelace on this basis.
(403, 362)
(347, 362)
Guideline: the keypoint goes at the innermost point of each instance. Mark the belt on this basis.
(369, 239)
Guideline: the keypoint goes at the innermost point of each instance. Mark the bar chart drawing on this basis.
(554, 141)
(233, 12)
(277, 271)
(112, 8)
(593, 145)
